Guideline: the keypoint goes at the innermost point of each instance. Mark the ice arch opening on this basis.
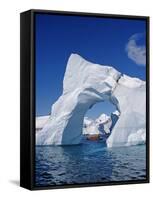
(97, 109)
(84, 85)
(99, 121)
(75, 122)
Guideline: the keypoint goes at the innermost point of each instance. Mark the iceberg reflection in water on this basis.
(92, 162)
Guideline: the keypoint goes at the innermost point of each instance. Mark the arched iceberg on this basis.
(84, 85)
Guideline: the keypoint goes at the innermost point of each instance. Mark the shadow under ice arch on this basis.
(84, 85)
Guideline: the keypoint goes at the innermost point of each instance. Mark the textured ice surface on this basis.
(84, 85)
(131, 96)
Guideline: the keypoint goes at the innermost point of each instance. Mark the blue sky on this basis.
(116, 42)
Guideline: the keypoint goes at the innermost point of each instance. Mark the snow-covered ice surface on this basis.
(84, 85)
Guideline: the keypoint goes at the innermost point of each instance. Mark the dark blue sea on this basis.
(92, 162)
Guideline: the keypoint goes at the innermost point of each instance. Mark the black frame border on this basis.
(27, 98)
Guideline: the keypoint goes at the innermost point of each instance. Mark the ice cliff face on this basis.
(84, 85)
(131, 96)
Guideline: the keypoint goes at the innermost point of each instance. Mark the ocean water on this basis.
(92, 162)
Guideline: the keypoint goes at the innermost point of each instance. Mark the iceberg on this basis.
(100, 126)
(84, 85)
(90, 127)
(104, 123)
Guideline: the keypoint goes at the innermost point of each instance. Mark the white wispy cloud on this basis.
(135, 52)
